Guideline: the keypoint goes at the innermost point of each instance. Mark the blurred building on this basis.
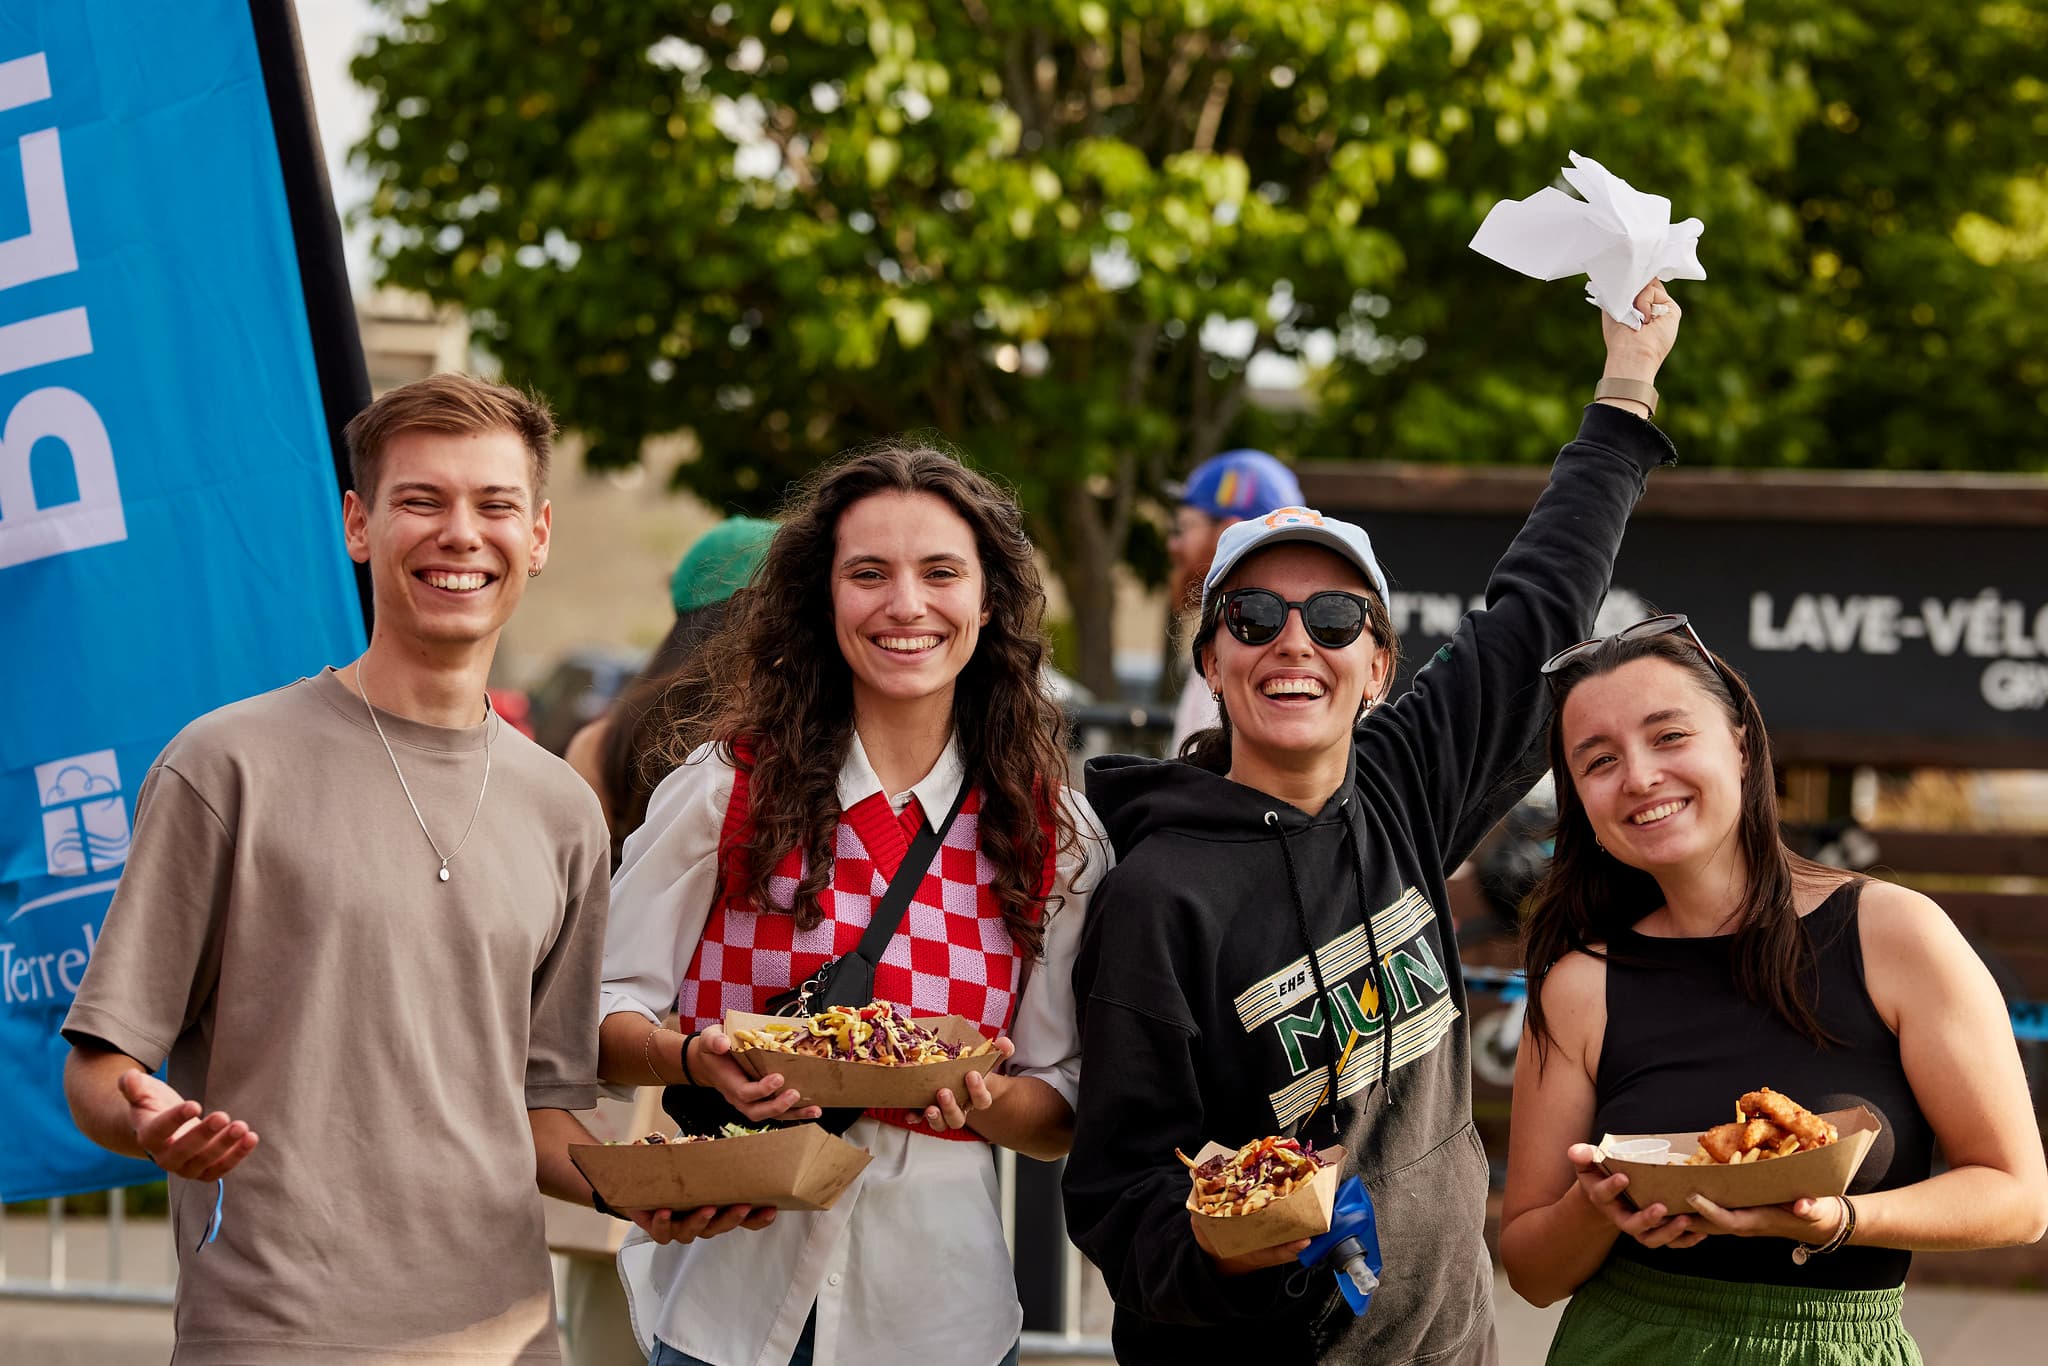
(405, 337)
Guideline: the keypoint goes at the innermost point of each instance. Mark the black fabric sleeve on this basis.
(1126, 1207)
(1471, 725)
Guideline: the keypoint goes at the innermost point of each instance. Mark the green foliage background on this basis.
(1017, 223)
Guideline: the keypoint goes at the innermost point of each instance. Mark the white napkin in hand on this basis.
(1618, 237)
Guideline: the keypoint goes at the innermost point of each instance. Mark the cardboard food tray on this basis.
(800, 1167)
(1301, 1214)
(1771, 1181)
(861, 1085)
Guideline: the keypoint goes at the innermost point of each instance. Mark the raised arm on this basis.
(1474, 714)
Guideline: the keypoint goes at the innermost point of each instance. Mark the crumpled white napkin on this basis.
(1618, 237)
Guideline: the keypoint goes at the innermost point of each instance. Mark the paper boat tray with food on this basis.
(798, 1167)
(1281, 1209)
(1738, 1174)
(845, 1037)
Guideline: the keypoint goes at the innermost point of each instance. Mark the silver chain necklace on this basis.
(404, 787)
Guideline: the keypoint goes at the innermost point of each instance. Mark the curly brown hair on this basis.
(774, 693)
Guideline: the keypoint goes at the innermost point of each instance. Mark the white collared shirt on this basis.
(904, 1264)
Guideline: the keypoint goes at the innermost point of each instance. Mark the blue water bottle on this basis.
(1351, 1249)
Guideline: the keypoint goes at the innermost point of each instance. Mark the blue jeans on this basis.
(665, 1355)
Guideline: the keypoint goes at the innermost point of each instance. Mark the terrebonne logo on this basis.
(85, 833)
(85, 819)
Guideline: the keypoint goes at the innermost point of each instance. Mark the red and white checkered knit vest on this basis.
(952, 955)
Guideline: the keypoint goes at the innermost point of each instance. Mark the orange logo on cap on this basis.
(1294, 517)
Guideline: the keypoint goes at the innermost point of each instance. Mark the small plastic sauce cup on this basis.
(1651, 1150)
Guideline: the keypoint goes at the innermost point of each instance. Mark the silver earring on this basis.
(1216, 697)
(533, 573)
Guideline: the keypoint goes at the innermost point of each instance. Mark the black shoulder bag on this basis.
(845, 981)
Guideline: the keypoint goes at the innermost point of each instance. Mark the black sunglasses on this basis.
(1257, 616)
(1648, 626)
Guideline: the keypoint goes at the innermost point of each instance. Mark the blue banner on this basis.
(169, 517)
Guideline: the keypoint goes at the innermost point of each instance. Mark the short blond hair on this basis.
(448, 402)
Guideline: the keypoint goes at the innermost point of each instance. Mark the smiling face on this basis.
(1291, 700)
(907, 599)
(1656, 764)
(450, 533)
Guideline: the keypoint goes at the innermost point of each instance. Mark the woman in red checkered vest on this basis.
(888, 652)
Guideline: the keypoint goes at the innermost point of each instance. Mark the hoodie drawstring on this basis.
(1372, 946)
(1308, 946)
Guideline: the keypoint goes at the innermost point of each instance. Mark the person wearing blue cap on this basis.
(1221, 492)
(1273, 953)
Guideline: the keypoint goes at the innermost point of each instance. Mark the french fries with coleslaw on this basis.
(1253, 1177)
(875, 1033)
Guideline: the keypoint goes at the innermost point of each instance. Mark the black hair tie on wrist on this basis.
(685, 1055)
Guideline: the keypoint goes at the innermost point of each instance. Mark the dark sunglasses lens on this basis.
(1255, 616)
(1557, 662)
(1651, 626)
(1333, 619)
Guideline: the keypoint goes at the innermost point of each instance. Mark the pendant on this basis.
(444, 872)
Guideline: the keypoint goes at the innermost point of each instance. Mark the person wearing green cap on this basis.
(616, 752)
(719, 564)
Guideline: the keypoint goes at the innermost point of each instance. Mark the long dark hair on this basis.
(635, 758)
(1210, 748)
(1587, 897)
(774, 679)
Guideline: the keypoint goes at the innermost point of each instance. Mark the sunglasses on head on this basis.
(1648, 626)
(1256, 616)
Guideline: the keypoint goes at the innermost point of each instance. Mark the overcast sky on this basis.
(331, 32)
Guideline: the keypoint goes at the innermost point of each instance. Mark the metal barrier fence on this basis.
(57, 1283)
(1053, 1278)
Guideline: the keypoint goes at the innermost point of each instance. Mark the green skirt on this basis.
(1629, 1315)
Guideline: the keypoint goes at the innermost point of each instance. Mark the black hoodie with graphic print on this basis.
(1205, 1017)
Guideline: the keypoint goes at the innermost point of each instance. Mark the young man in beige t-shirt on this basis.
(371, 934)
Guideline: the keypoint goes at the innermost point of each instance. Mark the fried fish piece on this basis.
(1727, 1142)
(1788, 1114)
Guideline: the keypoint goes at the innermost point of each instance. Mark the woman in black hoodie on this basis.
(1281, 893)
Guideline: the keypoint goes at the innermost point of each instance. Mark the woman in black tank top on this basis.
(1679, 956)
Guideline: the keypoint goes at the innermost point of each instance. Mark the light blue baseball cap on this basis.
(1291, 525)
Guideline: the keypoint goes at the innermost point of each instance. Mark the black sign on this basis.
(1878, 642)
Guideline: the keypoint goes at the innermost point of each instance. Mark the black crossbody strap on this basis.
(917, 861)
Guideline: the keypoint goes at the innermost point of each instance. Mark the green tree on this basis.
(1059, 232)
